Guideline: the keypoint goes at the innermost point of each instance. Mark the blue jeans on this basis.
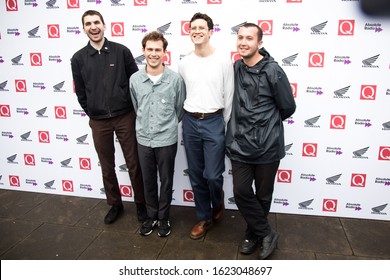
(204, 143)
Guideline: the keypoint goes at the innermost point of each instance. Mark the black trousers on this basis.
(103, 137)
(159, 161)
(254, 203)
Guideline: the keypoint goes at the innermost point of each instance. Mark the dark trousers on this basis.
(162, 161)
(254, 204)
(103, 137)
(204, 143)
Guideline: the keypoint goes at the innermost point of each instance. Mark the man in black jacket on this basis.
(101, 72)
(255, 136)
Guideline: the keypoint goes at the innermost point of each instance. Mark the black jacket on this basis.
(101, 79)
(262, 100)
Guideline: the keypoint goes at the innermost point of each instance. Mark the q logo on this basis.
(368, 92)
(329, 205)
(36, 59)
(358, 180)
(117, 29)
(20, 86)
(44, 137)
(309, 150)
(14, 181)
(384, 153)
(337, 121)
(214, 1)
(234, 56)
(167, 58)
(12, 5)
(140, 2)
(29, 159)
(67, 186)
(73, 4)
(53, 31)
(294, 89)
(346, 27)
(5, 111)
(284, 176)
(266, 26)
(185, 28)
(188, 196)
(60, 112)
(85, 163)
(126, 190)
(316, 59)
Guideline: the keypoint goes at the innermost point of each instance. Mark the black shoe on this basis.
(248, 246)
(269, 244)
(141, 212)
(147, 227)
(164, 228)
(113, 214)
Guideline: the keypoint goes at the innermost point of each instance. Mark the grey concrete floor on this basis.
(36, 226)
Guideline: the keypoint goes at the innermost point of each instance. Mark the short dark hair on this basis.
(155, 36)
(92, 13)
(208, 19)
(259, 30)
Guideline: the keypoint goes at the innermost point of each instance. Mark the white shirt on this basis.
(209, 83)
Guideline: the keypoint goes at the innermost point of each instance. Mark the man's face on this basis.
(154, 53)
(247, 42)
(199, 32)
(94, 28)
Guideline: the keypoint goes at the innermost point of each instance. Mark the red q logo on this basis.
(368, 92)
(337, 121)
(67, 186)
(73, 4)
(185, 28)
(284, 176)
(316, 59)
(29, 159)
(234, 56)
(53, 31)
(346, 27)
(12, 5)
(294, 89)
(214, 1)
(294, 1)
(20, 86)
(43, 136)
(117, 29)
(85, 163)
(329, 205)
(36, 59)
(188, 196)
(309, 150)
(358, 180)
(14, 181)
(167, 58)
(140, 2)
(5, 111)
(384, 153)
(266, 26)
(60, 112)
(126, 190)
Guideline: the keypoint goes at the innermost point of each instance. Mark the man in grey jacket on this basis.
(255, 136)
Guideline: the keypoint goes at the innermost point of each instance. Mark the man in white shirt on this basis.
(209, 80)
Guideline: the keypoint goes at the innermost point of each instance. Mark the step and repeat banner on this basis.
(337, 60)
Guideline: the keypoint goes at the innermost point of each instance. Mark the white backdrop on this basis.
(337, 60)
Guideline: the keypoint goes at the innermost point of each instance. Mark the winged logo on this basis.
(51, 3)
(33, 31)
(66, 162)
(312, 121)
(164, 28)
(3, 85)
(318, 28)
(361, 152)
(25, 136)
(49, 184)
(379, 208)
(306, 203)
(11, 158)
(369, 61)
(81, 139)
(290, 59)
(342, 91)
(140, 59)
(41, 111)
(333, 179)
(237, 27)
(386, 124)
(17, 59)
(59, 86)
(287, 147)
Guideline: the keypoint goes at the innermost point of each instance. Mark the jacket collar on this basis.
(105, 48)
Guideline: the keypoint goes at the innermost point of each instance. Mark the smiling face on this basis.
(154, 53)
(199, 32)
(248, 43)
(94, 28)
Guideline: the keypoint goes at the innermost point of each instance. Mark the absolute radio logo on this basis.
(346, 27)
(267, 26)
(317, 90)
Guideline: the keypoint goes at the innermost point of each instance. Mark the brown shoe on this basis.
(218, 214)
(199, 230)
